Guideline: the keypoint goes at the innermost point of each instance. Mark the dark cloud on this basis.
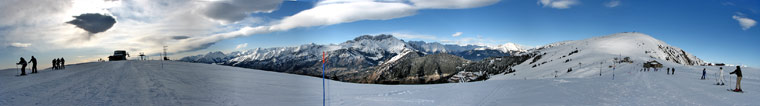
(93, 23)
(180, 37)
(236, 10)
(196, 47)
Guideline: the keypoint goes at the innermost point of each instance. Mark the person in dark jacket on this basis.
(738, 73)
(34, 64)
(668, 72)
(54, 65)
(704, 71)
(63, 63)
(22, 62)
(674, 71)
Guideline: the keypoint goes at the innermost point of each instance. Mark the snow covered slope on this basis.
(507, 48)
(350, 61)
(587, 57)
(141, 83)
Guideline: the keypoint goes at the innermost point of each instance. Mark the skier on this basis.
(63, 63)
(720, 79)
(22, 62)
(674, 71)
(738, 73)
(668, 71)
(34, 64)
(55, 64)
(704, 71)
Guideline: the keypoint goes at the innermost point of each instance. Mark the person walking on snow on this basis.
(720, 77)
(668, 72)
(674, 71)
(54, 65)
(34, 64)
(738, 73)
(63, 63)
(22, 62)
(704, 71)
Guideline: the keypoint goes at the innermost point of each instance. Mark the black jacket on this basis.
(33, 61)
(22, 62)
(738, 72)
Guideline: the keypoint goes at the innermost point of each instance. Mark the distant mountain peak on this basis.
(375, 37)
(508, 47)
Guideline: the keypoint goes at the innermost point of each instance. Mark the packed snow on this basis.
(178, 83)
(597, 53)
(593, 81)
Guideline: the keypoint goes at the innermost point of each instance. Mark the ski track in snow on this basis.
(141, 83)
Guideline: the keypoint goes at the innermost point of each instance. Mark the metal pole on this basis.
(323, 78)
(163, 58)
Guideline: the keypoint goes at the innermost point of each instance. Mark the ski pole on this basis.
(729, 82)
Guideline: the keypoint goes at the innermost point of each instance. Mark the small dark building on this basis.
(118, 55)
(652, 64)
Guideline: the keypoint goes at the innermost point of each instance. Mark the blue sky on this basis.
(708, 29)
(705, 29)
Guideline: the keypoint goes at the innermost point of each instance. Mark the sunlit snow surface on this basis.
(140, 83)
(179, 83)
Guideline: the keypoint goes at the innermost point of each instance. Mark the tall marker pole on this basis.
(163, 58)
(323, 78)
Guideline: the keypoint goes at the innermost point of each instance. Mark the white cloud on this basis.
(613, 3)
(329, 12)
(336, 13)
(33, 13)
(456, 34)
(413, 36)
(16, 44)
(558, 4)
(143, 25)
(744, 22)
(728, 4)
(241, 46)
(478, 40)
(451, 4)
(147, 25)
(323, 14)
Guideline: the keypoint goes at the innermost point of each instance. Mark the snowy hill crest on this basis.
(583, 58)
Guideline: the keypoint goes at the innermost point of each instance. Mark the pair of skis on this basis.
(19, 70)
(735, 91)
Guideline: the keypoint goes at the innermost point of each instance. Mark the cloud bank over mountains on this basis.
(147, 25)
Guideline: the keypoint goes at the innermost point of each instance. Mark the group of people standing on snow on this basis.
(648, 69)
(671, 71)
(57, 64)
(23, 64)
(721, 81)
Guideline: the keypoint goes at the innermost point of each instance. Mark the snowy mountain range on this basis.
(348, 60)
(386, 59)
